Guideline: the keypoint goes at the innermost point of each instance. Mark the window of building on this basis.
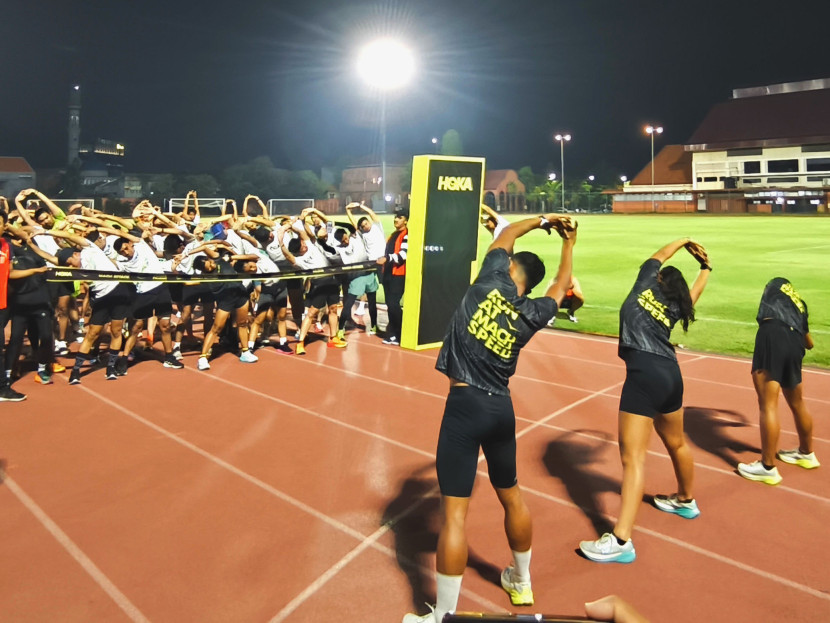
(817, 165)
(745, 152)
(710, 179)
(751, 167)
(773, 180)
(782, 166)
(814, 148)
(751, 180)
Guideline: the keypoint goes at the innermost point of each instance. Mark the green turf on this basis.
(746, 251)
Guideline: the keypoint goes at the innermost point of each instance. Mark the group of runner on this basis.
(250, 248)
(478, 414)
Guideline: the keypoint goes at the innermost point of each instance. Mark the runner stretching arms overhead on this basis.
(652, 396)
(491, 325)
(783, 334)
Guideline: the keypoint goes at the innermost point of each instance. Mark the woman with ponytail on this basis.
(652, 396)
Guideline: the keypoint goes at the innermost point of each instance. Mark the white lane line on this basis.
(98, 576)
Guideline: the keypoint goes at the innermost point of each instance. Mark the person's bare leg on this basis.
(310, 317)
(282, 328)
(451, 555)
(802, 417)
(166, 337)
(219, 321)
(62, 312)
(517, 522)
(576, 303)
(768, 391)
(334, 320)
(242, 326)
(151, 330)
(132, 338)
(669, 427)
(634, 431)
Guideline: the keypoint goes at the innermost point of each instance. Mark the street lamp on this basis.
(551, 176)
(651, 130)
(591, 178)
(385, 65)
(562, 138)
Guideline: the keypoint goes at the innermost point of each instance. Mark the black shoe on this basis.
(285, 349)
(62, 351)
(121, 366)
(111, 373)
(75, 377)
(170, 361)
(7, 394)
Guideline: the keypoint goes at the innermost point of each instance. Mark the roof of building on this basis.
(493, 178)
(672, 165)
(14, 165)
(775, 120)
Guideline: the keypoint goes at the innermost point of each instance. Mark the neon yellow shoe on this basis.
(520, 592)
(300, 349)
(795, 457)
(757, 472)
(341, 334)
(337, 342)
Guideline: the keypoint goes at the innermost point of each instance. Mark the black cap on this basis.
(63, 255)
(404, 212)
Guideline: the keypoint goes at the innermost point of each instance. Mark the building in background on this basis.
(504, 191)
(363, 184)
(767, 149)
(15, 175)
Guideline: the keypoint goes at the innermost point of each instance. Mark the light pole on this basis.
(385, 65)
(562, 138)
(651, 130)
(435, 143)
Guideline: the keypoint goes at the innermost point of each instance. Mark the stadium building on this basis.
(767, 149)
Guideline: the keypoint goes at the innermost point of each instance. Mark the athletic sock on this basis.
(689, 501)
(41, 367)
(113, 359)
(79, 361)
(250, 345)
(620, 541)
(521, 566)
(448, 589)
(8, 375)
(177, 345)
(283, 340)
(769, 468)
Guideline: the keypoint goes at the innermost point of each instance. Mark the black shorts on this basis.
(779, 351)
(324, 291)
(176, 290)
(196, 293)
(232, 299)
(114, 306)
(653, 384)
(566, 302)
(59, 289)
(473, 419)
(156, 302)
(274, 296)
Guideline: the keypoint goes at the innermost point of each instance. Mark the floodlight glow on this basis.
(590, 178)
(77, 87)
(623, 178)
(650, 129)
(388, 198)
(562, 137)
(386, 64)
(551, 176)
(434, 141)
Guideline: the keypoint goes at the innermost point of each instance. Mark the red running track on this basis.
(304, 490)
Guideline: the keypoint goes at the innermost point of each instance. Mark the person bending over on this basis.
(783, 335)
(491, 325)
(652, 396)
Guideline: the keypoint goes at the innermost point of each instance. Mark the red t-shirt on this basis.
(5, 268)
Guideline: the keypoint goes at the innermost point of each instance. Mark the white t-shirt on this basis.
(47, 243)
(354, 252)
(93, 258)
(186, 264)
(313, 258)
(501, 223)
(144, 260)
(109, 251)
(375, 241)
(273, 249)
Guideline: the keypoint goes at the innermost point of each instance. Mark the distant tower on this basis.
(74, 123)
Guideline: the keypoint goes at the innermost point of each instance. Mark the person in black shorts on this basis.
(231, 297)
(783, 335)
(491, 325)
(652, 396)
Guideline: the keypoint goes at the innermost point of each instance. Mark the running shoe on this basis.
(58, 368)
(177, 353)
(248, 357)
(341, 334)
(203, 364)
(75, 377)
(372, 330)
(520, 592)
(7, 394)
(170, 361)
(43, 377)
(297, 335)
(300, 348)
(607, 549)
(573, 318)
(121, 366)
(285, 349)
(421, 618)
(672, 504)
(757, 472)
(61, 350)
(391, 341)
(111, 373)
(337, 342)
(796, 457)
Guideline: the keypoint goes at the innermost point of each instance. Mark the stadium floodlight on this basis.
(434, 141)
(623, 178)
(551, 176)
(562, 139)
(591, 178)
(651, 130)
(385, 65)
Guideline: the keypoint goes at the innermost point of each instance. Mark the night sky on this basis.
(197, 86)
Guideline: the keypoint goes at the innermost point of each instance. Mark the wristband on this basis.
(543, 222)
(706, 267)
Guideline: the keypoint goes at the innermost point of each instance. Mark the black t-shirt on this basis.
(647, 316)
(781, 302)
(227, 288)
(490, 327)
(30, 291)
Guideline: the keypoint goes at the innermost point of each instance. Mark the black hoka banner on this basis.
(80, 274)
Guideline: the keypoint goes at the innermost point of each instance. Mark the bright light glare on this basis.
(562, 137)
(386, 64)
(434, 141)
(650, 129)
(623, 178)
(591, 178)
(77, 88)
(551, 176)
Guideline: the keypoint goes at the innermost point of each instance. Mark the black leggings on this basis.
(38, 322)
(393, 289)
(348, 302)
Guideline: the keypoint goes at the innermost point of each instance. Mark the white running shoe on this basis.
(248, 357)
(672, 504)
(521, 594)
(421, 618)
(203, 364)
(796, 457)
(607, 549)
(572, 318)
(757, 472)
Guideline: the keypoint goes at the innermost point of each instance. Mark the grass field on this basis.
(746, 252)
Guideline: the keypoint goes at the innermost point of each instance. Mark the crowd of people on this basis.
(246, 308)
